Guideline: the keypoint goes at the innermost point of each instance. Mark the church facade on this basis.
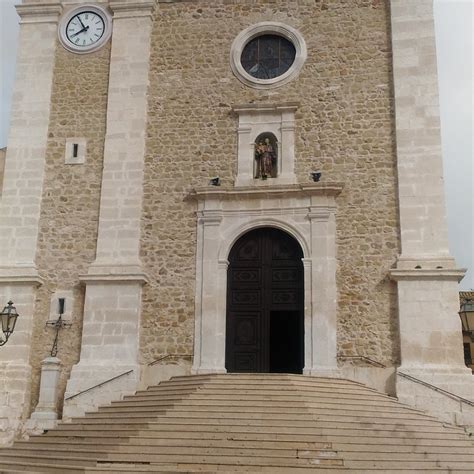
(226, 186)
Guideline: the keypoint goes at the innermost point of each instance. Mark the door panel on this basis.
(265, 303)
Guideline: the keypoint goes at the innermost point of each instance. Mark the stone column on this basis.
(114, 281)
(430, 328)
(48, 396)
(21, 201)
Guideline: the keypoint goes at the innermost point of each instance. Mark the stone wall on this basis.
(344, 127)
(70, 203)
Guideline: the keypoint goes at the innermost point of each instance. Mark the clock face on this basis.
(85, 29)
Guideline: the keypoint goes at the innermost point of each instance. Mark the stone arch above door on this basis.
(234, 232)
(306, 212)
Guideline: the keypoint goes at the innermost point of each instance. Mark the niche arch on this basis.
(266, 156)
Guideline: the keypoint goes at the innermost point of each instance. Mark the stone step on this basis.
(304, 459)
(202, 401)
(153, 442)
(193, 426)
(218, 468)
(360, 443)
(250, 378)
(272, 418)
(33, 468)
(266, 387)
(406, 465)
(354, 450)
(405, 456)
(63, 460)
(240, 395)
(208, 407)
(258, 377)
(149, 451)
(249, 423)
(13, 467)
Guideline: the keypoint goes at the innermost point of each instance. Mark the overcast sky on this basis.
(454, 36)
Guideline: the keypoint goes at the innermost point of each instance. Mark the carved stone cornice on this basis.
(433, 274)
(39, 12)
(132, 8)
(102, 278)
(262, 192)
(103, 272)
(20, 276)
(262, 108)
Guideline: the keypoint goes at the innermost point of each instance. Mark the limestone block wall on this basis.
(70, 201)
(343, 127)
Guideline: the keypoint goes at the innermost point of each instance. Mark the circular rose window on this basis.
(267, 55)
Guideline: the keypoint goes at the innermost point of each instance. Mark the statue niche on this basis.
(266, 156)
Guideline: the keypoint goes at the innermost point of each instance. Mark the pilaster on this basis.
(21, 202)
(114, 281)
(426, 274)
(323, 359)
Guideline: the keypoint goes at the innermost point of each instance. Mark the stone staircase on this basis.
(248, 423)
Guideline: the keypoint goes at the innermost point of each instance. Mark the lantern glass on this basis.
(8, 317)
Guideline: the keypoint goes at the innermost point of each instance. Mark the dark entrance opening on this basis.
(265, 304)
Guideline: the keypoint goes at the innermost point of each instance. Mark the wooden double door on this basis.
(265, 304)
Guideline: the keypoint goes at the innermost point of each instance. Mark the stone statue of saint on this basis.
(266, 159)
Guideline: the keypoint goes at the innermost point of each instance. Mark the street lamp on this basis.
(467, 316)
(8, 319)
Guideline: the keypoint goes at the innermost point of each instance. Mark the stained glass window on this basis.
(268, 56)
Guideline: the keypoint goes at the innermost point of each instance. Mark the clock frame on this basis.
(88, 48)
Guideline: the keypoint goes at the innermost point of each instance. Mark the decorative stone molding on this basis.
(420, 274)
(20, 276)
(255, 120)
(267, 28)
(250, 192)
(39, 12)
(132, 9)
(90, 279)
(234, 211)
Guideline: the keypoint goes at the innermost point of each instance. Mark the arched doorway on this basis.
(265, 304)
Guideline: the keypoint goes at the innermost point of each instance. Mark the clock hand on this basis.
(80, 21)
(80, 31)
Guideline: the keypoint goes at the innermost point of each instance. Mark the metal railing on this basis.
(98, 385)
(437, 389)
(169, 356)
(365, 359)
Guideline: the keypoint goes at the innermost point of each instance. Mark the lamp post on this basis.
(467, 317)
(8, 320)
